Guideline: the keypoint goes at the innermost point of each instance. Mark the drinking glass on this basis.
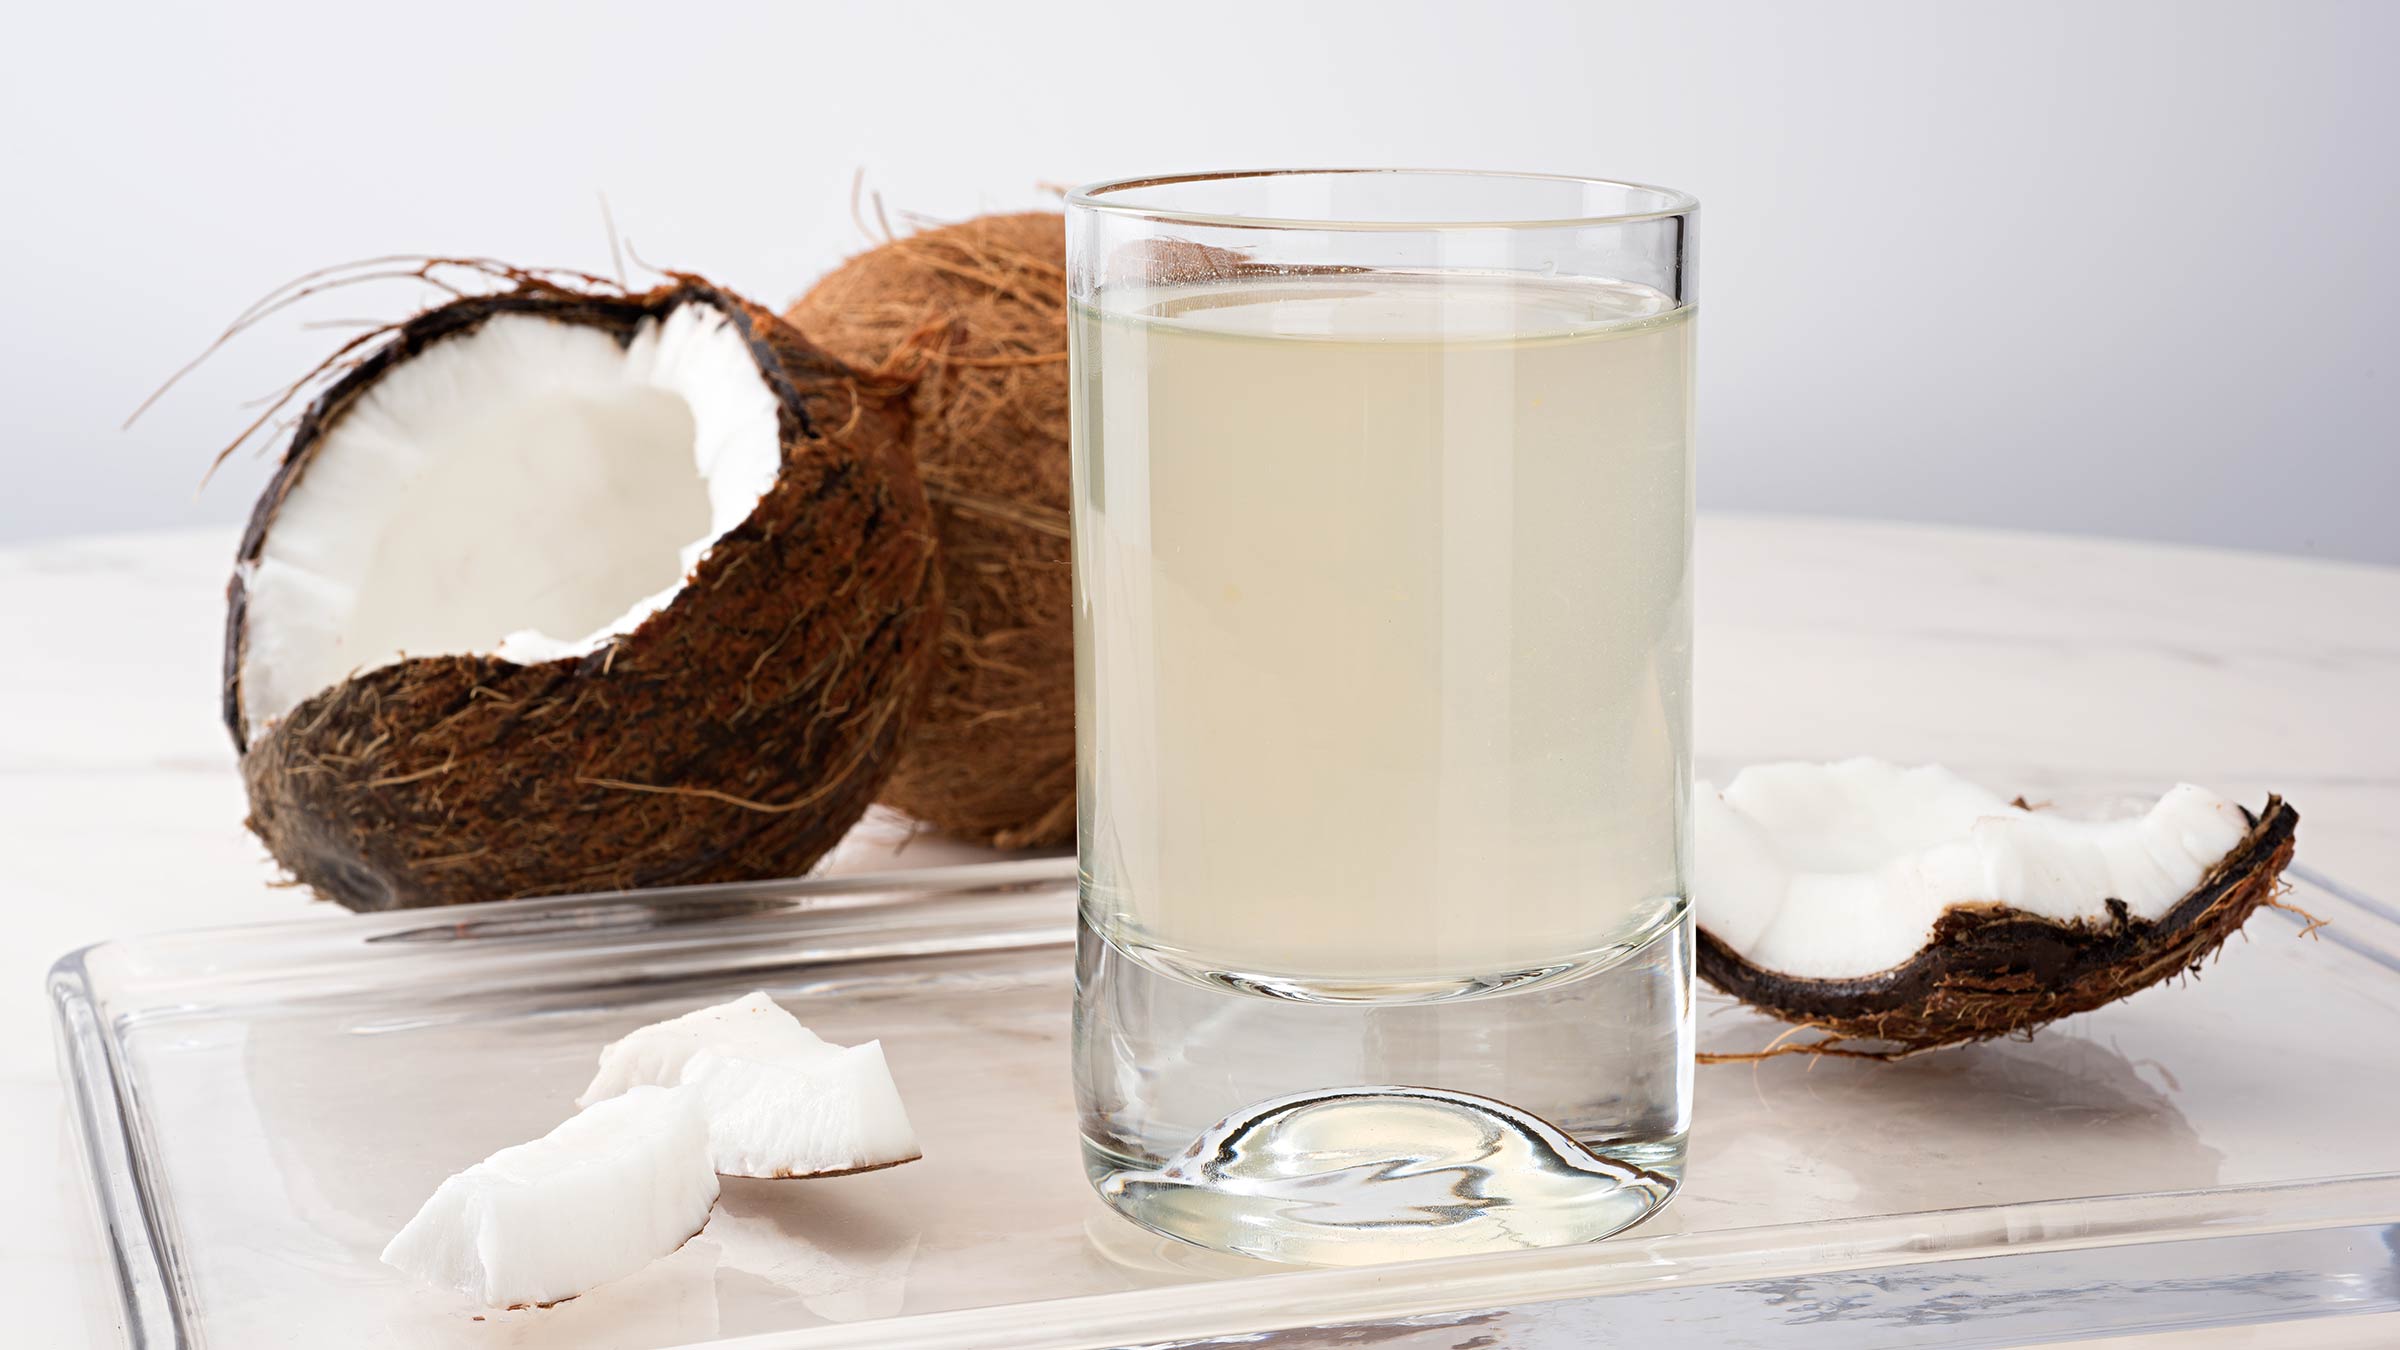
(1382, 539)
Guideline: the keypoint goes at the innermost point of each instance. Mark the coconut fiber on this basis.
(974, 316)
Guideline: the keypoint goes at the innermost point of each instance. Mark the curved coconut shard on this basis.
(1989, 968)
(826, 1116)
(781, 1103)
(562, 592)
(603, 1195)
(753, 1026)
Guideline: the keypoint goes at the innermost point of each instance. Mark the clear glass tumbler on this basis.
(1382, 517)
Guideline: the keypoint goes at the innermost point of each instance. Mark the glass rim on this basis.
(1091, 197)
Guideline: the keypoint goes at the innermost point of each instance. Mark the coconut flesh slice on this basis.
(560, 592)
(1912, 906)
(822, 1117)
(753, 1026)
(781, 1103)
(609, 1191)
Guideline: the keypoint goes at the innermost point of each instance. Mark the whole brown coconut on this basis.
(735, 733)
(1990, 970)
(975, 313)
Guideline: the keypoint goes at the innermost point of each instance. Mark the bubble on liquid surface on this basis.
(1362, 1175)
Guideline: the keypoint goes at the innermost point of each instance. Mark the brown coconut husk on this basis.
(736, 734)
(1990, 970)
(976, 315)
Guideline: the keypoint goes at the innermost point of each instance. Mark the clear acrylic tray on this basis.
(264, 1106)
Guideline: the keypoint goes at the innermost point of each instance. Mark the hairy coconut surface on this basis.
(976, 314)
(1990, 970)
(738, 727)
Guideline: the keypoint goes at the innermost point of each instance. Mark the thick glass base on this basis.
(1349, 1133)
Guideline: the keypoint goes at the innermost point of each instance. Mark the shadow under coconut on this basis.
(1796, 1138)
(840, 1252)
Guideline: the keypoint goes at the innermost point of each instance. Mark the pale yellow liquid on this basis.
(1383, 639)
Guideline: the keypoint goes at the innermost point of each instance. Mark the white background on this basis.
(2116, 268)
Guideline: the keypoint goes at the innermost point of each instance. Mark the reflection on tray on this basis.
(264, 1106)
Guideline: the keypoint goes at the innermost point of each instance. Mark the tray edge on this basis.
(111, 1163)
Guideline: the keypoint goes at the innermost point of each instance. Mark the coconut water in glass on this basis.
(1382, 538)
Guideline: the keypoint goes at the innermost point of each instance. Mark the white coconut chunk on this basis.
(606, 1193)
(1834, 871)
(527, 490)
(819, 1117)
(753, 1026)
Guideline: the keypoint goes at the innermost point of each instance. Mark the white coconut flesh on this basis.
(606, 1193)
(753, 1026)
(1837, 871)
(527, 490)
(819, 1117)
(780, 1101)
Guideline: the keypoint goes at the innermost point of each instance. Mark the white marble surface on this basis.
(2027, 662)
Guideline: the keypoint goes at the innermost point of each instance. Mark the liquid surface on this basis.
(1383, 640)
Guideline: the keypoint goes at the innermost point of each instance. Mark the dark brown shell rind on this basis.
(833, 1172)
(737, 734)
(1989, 970)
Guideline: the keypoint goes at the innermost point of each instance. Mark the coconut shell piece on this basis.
(737, 733)
(1990, 970)
(976, 315)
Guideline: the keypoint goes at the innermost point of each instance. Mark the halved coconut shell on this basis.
(735, 733)
(1990, 970)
